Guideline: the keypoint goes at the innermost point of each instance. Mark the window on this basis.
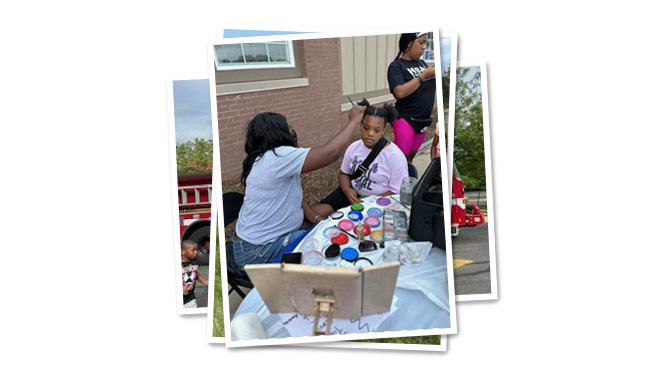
(429, 53)
(254, 55)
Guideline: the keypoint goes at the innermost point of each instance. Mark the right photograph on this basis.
(471, 188)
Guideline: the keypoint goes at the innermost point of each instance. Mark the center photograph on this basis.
(335, 218)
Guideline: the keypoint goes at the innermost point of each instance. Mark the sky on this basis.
(445, 53)
(191, 102)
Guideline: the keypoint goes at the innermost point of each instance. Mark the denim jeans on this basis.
(247, 253)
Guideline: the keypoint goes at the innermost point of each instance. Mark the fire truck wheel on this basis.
(202, 237)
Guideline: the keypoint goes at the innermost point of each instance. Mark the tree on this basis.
(194, 156)
(469, 129)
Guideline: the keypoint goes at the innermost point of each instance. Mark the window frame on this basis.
(257, 65)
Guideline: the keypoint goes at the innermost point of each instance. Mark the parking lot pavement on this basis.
(470, 250)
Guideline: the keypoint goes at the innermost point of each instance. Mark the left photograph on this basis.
(192, 150)
(336, 232)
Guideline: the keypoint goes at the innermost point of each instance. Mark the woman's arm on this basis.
(412, 85)
(309, 214)
(322, 156)
(434, 146)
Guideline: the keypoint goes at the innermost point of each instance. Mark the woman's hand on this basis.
(351, 195)
(429, 73)
(356, 113)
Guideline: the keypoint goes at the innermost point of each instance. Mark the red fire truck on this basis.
(195, 201)
(463, 214)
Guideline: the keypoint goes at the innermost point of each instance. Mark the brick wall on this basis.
(313, 111)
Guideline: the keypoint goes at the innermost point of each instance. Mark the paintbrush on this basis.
(347, 233)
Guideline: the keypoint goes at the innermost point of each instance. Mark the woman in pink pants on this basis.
(413, 84)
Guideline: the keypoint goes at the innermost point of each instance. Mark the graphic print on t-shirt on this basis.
(364, 181)
(189, 274)
(416, 71)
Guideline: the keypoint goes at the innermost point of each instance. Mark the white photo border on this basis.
(444, 34)
(174, 195)
(217, 184)
(489, 183)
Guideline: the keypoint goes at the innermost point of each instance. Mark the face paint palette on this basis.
(383, 201)
(346, 224)
(357, 206)
(312, 258)
(340, 239)
(331, 232)
(355, 216)
(332, 251)
(377, 236)
(367, 246)
(349, 254)
(337, 215)
(372, 221)
(374, 212)
(309, 245)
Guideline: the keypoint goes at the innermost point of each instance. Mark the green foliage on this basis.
(194, 156)
(431, 339)
(446, 89)
(218, 318)
(469, 130)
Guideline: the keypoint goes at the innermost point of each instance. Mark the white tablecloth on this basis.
(422, 291)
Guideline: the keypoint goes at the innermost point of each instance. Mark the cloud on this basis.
(191, 101)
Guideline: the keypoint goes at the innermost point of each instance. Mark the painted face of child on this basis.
(190, 252)
(418, 47)
(372, 130)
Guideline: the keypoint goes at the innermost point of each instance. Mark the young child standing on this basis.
(190, 274)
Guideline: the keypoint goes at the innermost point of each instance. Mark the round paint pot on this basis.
(372, 221)
(355, 215)
(332, 251)
(340, 239)
(366, 228)
(312, 258)
(331, 232)
(383, 201)
(349, 254)
(346, 224)
(337, 215)
(377, 236)
(357, 206)
(362, 262)
(367, 246)
(374, 212)
(309, 245)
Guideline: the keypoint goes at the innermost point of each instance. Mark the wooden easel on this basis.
(324, 304)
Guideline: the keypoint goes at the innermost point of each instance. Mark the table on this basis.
(422, 289)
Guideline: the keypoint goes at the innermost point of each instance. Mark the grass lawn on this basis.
(429, 339)
(218, 323)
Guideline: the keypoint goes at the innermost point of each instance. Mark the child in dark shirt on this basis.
(190, 274)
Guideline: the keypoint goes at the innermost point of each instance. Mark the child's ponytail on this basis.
(387, 112)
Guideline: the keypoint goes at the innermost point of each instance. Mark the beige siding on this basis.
(364, 61)
(346, 53)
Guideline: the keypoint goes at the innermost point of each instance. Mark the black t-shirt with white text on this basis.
(418, 104)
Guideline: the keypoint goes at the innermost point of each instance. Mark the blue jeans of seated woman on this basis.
(247, 253)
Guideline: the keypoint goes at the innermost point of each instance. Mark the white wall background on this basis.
(86, 214)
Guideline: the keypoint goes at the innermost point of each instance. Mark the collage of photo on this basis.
(332, 187)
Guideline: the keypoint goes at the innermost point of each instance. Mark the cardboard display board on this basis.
(287, 288)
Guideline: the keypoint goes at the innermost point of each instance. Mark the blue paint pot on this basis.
(349, 254)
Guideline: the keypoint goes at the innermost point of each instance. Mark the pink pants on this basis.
(405, 137)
